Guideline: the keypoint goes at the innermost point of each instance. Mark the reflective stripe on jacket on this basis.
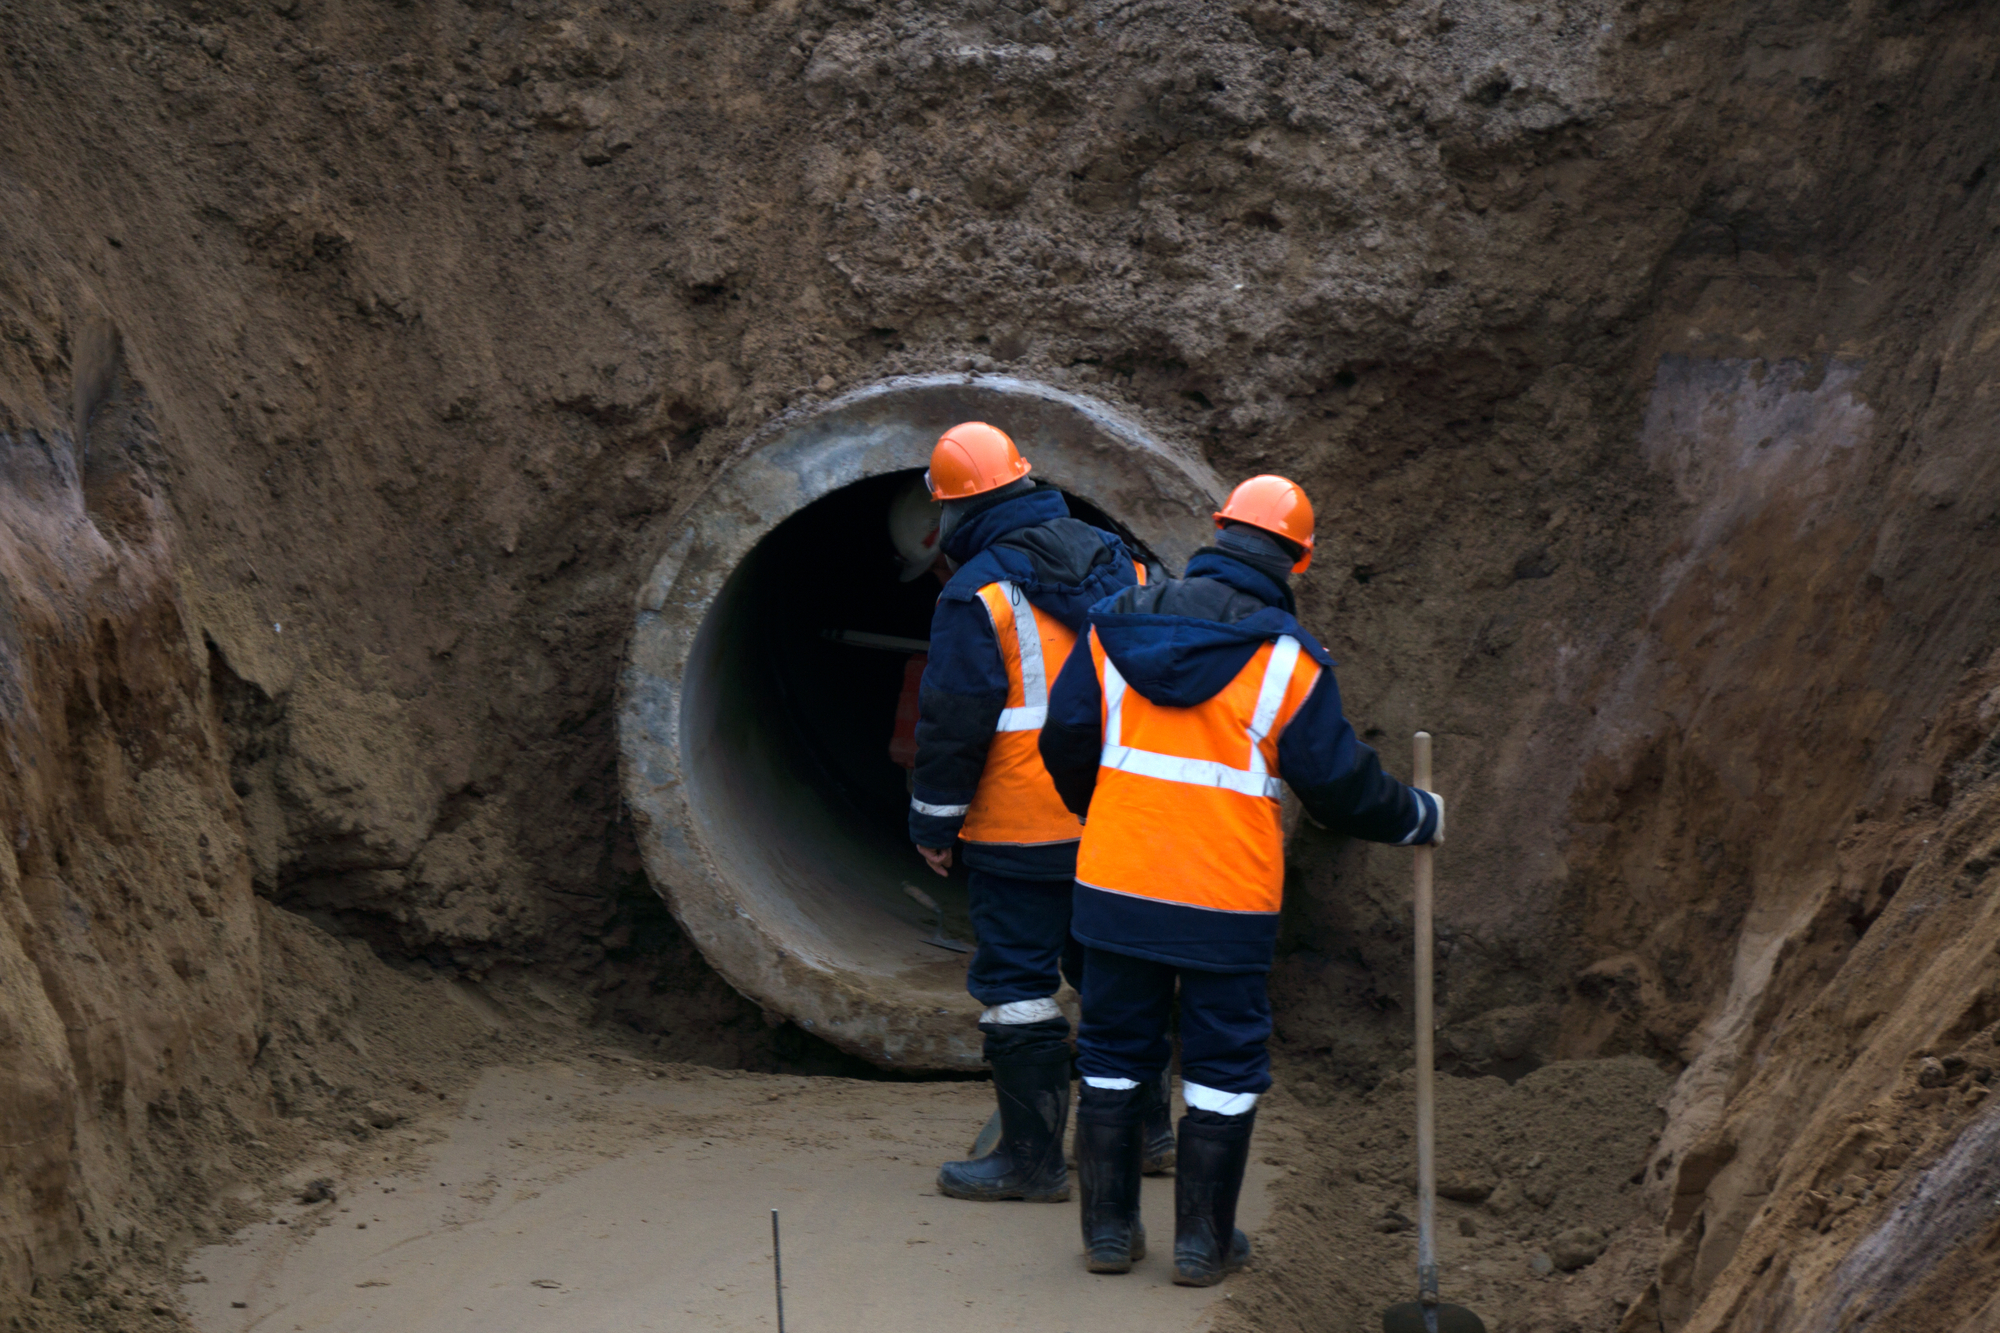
(1016, 802)
(1187, 804)
(1062, 567)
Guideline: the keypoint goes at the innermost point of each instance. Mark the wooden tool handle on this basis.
(1427, 1274)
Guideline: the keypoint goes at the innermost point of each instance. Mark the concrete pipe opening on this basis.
(755, 722)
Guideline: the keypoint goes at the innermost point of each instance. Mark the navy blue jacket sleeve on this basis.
(1341, 781)
(958, 705)
(1072, 740)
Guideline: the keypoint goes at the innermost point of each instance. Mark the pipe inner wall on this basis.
(755, 748)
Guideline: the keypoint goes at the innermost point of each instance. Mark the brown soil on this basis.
(638, 1195)
(339, 1040)
(374, 1082)
(633, 1191)
(1564, 1148)
(353, 358)
(360, 1069)
(506, 1162)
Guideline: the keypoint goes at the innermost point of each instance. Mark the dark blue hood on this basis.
(1212, 562)
(1062, 564)
(989, 525)
(1179, 660)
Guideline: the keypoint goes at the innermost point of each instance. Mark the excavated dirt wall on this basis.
(352, 358)
(130, 959)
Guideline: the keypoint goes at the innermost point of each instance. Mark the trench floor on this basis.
(602, 1195)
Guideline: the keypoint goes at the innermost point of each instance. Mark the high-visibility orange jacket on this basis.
(1015, 801)
(1210, 770)
(1196, 702)
(1003, 627)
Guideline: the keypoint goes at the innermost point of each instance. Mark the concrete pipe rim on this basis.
(810, 929)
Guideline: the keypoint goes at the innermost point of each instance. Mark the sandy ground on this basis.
(588, 1196)
(496, 1163)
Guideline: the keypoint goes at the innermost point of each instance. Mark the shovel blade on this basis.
(1409, 1318)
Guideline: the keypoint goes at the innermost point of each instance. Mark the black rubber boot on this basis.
(1214, 1149)
(1031, 1083)
(1157, 1126)
(1109, 1145)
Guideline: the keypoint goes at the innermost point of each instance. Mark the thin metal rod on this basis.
(778, 1270)
(1427, 1274)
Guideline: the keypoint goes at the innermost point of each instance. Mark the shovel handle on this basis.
(1427, 1273)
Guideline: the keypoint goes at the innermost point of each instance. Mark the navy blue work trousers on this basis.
(1025, 949)
(1128, 1002)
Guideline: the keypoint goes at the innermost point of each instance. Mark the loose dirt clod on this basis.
(1575, 1248)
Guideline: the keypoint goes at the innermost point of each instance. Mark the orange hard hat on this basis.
(971, 459)
(1275, 505)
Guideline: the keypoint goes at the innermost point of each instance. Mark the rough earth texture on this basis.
(351, 356)
(336, 1048)
(1539, 1223)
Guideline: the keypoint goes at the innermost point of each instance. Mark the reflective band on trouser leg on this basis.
(1112, 1084)
(1034, 709)
(1022, 1011)
(1200, 1097)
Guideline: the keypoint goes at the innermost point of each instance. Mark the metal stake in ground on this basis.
(1426, 1314)
(778, 1270)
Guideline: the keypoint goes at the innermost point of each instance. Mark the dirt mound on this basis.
(1541, 1221)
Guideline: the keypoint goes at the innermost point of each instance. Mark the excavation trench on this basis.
(771, 647)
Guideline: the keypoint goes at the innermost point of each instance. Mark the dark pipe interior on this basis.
(787, 733)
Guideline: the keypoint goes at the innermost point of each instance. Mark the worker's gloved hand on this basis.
(937, 858)
(1437, 838)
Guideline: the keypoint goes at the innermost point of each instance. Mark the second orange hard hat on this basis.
(1276, 505)
(972, 458)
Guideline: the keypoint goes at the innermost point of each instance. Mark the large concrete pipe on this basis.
(755, 734)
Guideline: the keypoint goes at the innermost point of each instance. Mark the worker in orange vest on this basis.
(1173, 726)
(1024, 574)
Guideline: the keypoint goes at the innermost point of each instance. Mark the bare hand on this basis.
(937, 858)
